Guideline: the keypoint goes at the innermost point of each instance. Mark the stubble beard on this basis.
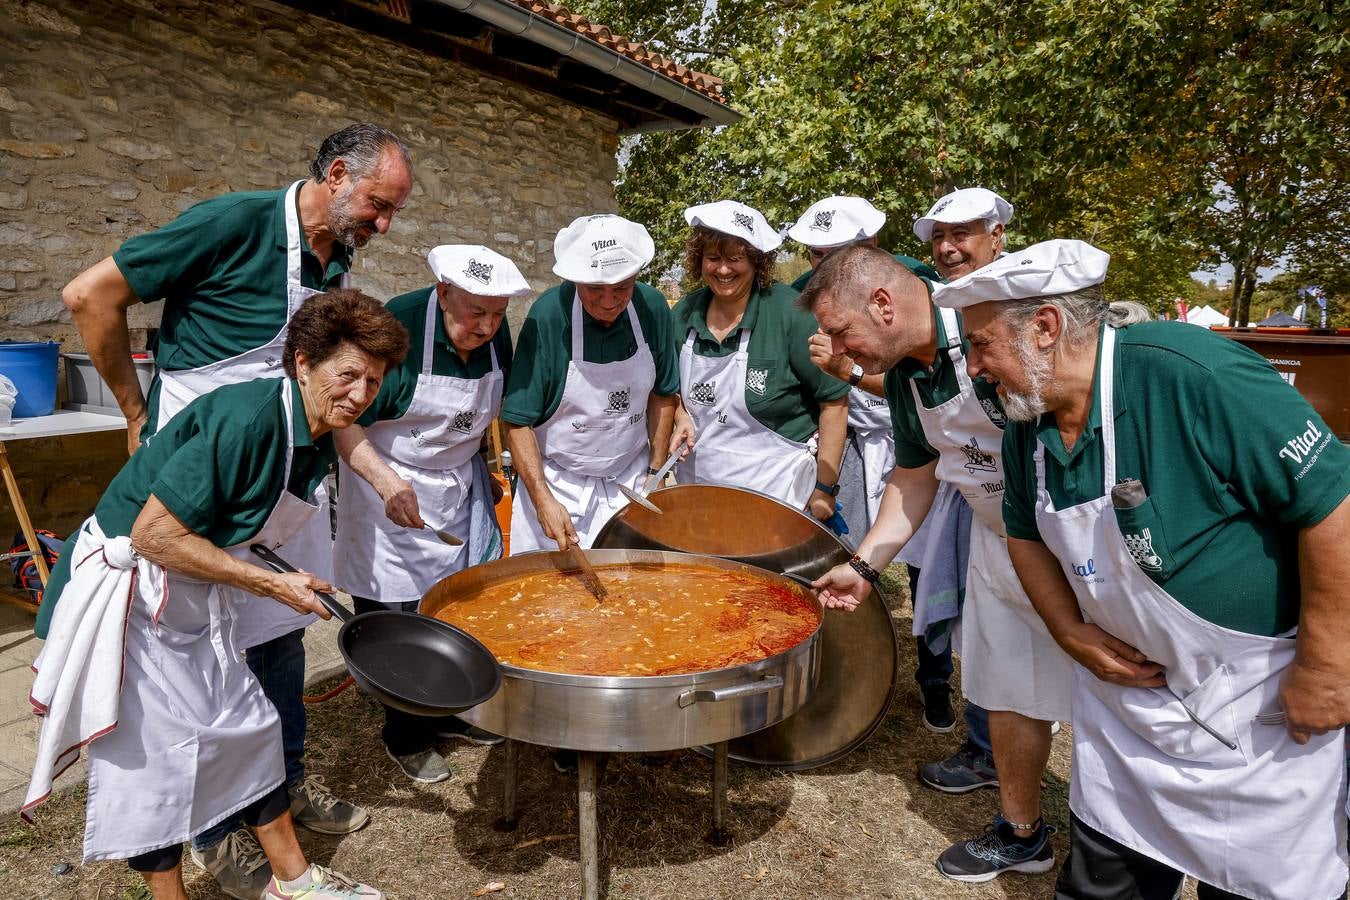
(344, 226)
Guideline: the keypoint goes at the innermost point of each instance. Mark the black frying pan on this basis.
(414, 663)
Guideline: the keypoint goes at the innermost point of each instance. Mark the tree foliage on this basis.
(1176, 135)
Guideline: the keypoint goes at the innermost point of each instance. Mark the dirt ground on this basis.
(861, 827)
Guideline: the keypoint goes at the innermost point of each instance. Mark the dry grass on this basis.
(862, 827)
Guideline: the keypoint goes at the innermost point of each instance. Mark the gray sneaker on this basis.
(315, 807)
(237, 863)
(463, 731)
(427, 767)
(969, 770)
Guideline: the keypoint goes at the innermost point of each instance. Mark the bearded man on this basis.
(231, 271)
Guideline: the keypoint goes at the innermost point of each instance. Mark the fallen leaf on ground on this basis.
(864, 829)
(491, 887)
(758, 876)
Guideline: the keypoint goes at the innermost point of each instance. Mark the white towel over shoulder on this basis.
(78, 674)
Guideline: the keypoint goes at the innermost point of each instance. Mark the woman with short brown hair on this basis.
(149, 592)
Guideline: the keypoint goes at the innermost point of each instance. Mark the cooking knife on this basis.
(640, 497)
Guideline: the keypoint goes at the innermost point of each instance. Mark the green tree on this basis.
(1173, 134)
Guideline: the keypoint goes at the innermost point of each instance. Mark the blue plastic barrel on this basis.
(32, 368)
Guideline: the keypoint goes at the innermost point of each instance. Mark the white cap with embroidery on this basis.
(734, 218)
(1041, 270)
(965, 205)
(836, 221)
(603, 249)
(477, 270)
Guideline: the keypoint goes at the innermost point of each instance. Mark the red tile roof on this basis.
(708, 85)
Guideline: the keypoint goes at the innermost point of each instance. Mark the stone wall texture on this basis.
(116, 115)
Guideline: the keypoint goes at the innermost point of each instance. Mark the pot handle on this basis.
(277, 564)
(735, 692)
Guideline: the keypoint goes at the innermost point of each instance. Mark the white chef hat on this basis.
(836, 221)
(1041, 270)
(602, 249)
(734, 218)
(965, 205)
(477, 270)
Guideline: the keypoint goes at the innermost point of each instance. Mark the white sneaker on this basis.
(324, 884)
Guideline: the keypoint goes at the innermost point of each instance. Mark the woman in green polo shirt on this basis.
(156, 579)
(746, 377)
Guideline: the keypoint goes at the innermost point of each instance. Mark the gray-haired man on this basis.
(231, 271)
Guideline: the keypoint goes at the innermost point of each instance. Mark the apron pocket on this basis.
(1146, 540)
(1162, 720)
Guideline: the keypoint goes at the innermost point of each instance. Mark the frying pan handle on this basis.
(735, 692)
(277, 564)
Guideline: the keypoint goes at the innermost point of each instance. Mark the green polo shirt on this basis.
(218, 467)
(220, 269)
(396, 392)
(936, 384)
(1234, 461)
(918, 267)
(544, 348)
(779, 357)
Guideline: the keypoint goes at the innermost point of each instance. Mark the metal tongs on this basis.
(582, 567)
(640, 497)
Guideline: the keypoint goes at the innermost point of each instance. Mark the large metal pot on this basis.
(636, 713)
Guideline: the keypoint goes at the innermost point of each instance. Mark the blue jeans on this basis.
(279, 666)
(936, 668)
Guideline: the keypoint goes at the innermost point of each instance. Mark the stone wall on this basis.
(116, 116)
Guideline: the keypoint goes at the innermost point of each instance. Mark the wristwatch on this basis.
(831, 489)
(855, 374)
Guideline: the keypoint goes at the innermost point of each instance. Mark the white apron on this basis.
(432, 446)
(1264, 820)
(196, 739)
(595, 441)
(312, 548)
(870, 418)
(1009, 660)
(732, 447)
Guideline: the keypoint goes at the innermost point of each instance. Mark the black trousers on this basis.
(260, 812)
(405, 734)
(1100, 868)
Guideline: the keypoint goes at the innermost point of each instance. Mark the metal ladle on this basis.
(446, 536)
(640, 497)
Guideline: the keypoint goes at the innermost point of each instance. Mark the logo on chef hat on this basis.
(757, 380)
(943, 204)
(743, 221)
(618, 402)
(479, 271)
(822, 220)
(463, 422)
(704, 393)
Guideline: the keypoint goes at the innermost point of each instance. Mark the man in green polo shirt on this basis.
(949, 430)
(231, 271)
(593, 386)
(1178, 515)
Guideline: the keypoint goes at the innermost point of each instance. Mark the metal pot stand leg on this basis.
(589, 767)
